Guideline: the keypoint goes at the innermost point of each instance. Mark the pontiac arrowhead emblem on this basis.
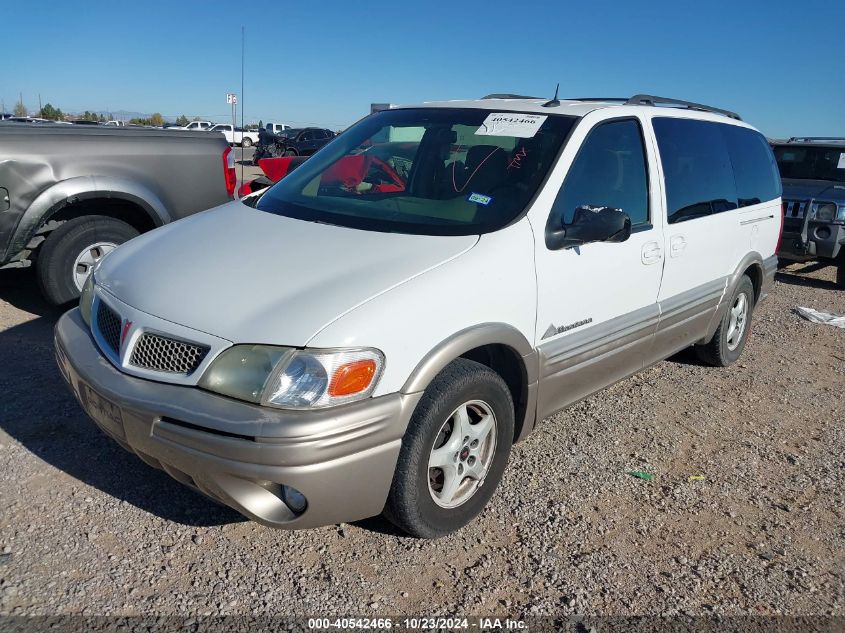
(126, 325)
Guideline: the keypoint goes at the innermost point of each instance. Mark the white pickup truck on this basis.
(276, 128)
(195, 126)
(246, 138)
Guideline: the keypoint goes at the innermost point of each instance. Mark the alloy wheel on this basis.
(738, 321)
(462, 454)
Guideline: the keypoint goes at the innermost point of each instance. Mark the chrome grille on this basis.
(108, 323)
(161, 353)
(794, 208)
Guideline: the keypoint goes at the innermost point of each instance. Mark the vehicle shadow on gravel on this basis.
(19, 288)
(38, 410)
(790, 277)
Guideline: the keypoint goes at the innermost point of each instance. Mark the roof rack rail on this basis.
(506, 95)
(816, 139)
(609, 99)
(652, 100)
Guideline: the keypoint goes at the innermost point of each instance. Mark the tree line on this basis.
(51, 113)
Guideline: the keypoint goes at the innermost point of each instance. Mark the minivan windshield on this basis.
(811, 163)
(430, 171)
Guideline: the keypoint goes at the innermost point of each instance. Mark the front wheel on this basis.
(729, 340)
(454, 451)
(246, 142)
(71, 251)
(840, 272)
(290, 152)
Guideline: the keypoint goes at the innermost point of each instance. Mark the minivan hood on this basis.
(800, 189)
(253, 277)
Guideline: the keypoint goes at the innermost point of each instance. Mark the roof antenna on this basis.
(554, 101)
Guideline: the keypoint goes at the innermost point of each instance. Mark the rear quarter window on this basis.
(755, 170)
(713, 167)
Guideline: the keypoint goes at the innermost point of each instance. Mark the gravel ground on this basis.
(86, 528)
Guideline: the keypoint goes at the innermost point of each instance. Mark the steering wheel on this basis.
(392, 181)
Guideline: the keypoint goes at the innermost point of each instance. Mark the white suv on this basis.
(373, 332)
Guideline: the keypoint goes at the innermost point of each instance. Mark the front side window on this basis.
(696, 168)
(431, 171)
(609, 171)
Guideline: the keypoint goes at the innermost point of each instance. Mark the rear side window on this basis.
(712, 167)
(696, 168)
(755, 170)
(609, 171)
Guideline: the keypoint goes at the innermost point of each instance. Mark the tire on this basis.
(463, 385)
(246, 142)
(727, 344)
(840, 273)
(63, 257)
(290, 152)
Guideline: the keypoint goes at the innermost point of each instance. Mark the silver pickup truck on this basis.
(70, 194)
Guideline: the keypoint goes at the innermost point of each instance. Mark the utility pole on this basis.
(40, 107)
(242, 104)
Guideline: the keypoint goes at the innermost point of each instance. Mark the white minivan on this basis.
(372, 333)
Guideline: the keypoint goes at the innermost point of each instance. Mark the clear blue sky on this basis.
(779, 63)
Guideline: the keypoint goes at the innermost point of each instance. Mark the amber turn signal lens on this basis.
(352, 377)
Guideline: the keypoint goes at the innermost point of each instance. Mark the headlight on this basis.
(242, 370)
(86, 298)
(294, 379)
(825, 211)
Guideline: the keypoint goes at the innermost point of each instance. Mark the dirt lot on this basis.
(86, 528)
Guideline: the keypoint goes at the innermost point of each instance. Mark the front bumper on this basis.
(825, 241)
(341, 459)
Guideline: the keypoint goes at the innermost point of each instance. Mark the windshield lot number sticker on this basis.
(480, 198)
(511, 124)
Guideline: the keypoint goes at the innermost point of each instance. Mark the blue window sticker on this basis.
(480, 198)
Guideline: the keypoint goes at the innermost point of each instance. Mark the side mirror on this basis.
(591, 224)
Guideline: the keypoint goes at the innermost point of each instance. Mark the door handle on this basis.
(651, 253)
(677, 245)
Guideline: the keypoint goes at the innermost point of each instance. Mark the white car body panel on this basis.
(253, 277)
(493, 282)
(608, 280)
